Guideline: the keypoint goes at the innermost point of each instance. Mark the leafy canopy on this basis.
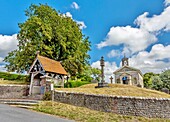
(147, 79)
(165, 77)
(53, 34)
(90, 74)
(157, 81)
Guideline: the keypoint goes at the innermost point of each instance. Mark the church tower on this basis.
(125, 61)
(128, 75)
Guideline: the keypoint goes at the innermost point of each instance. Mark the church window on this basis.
(118, 80)
(125, 80)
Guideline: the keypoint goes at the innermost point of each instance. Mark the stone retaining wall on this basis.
(13, 91)
(148, 107)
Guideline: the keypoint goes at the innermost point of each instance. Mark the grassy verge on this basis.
(81, 114)
(13, 82)
(117, 90)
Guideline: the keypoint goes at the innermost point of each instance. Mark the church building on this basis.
(128, 75)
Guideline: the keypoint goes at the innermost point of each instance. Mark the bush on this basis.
(16, 77)
(73, 83)
(166, 90)
(47, 96)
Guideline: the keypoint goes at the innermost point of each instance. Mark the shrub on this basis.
(16, 77)
(166, 90)
(75, 83)
(47, 96)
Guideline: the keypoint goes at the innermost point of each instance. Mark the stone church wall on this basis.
(141, 81)
(148, 107)
(13, 91)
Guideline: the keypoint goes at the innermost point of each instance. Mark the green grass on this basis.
(117, 90)
(81, 114)
(13, 77)
(14, 82)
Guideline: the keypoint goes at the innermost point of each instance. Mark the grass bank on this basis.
(117, 90)
(81, 114)
(14, 82)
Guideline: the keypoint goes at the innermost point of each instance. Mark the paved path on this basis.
(14, 114)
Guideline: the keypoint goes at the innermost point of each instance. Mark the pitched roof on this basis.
(127, 67)
(50, 65)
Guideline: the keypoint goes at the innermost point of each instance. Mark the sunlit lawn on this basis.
(117, 90)
(81, 114)
(13, 82)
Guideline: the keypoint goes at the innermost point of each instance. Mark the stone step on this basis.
(19, 102)
(24, 106)
(35, 97)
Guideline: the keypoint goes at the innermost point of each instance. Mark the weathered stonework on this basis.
(13, 91)
(136, 106)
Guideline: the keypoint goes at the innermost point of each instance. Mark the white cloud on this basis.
(108, 69)
(114, 53)
(167, 2)
(155, 23)
(133, 39)
(68, 14)
(75, 5)
(2, 68)
(1, 61)
(7, 44)
(136, 39)
(80, 23)
(155, 61)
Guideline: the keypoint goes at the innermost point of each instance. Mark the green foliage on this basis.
(147, 79)
(12, 77)
(156, 81)
(85, 75)
(96, 73)
(47, 96)
(89, 74)
(55, 35)
(165, 77)
(157, 84)
(75, 83)
(85, 78)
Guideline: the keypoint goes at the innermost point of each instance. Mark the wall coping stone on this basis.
(114, 96)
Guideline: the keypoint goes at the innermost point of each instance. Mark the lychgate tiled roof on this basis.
(50, 65)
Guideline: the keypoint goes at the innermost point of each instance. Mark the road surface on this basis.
(14, 114)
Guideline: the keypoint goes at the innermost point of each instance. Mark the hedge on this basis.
(73, 84)
(16, 77)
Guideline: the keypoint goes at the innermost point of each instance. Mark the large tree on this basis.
(53, 34)
(165, 77)
(147, 79)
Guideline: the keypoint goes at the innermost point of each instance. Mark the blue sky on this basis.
(138, 28)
